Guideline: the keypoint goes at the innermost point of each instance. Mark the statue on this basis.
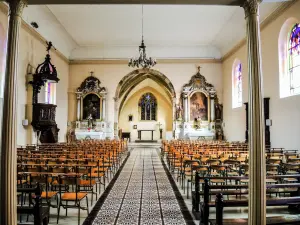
(219, 111)
(197, 123)
(90, 121)
(178, 112)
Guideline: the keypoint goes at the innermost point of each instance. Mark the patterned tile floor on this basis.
(142, 194)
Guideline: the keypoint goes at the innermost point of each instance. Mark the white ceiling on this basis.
(170, 31)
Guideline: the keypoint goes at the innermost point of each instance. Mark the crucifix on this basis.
(199, 67)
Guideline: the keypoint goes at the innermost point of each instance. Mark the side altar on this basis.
(198, 114)
(91, 111)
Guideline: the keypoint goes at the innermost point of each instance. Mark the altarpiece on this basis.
(91, 110)
(198, 114)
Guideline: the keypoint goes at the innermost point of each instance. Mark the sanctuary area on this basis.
(165, 112)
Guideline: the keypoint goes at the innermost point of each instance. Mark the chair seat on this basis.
(232, 174)
(50, 194)
(290, 179)
(292, 172)
(87, 182)
(217, 181)
(271, 181)
(71, 196)
(96, 174)
(244, 181)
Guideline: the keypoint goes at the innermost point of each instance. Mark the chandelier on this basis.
(142, 61)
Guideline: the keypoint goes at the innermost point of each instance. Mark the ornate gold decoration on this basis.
(16, 7)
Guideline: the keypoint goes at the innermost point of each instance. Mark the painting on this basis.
(91, 107)
(198, 107)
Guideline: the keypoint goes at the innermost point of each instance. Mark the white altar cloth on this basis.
(200, 134)
(85, 134)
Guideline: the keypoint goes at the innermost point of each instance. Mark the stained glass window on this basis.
(237, 85)
(148, 107)
(294, 59)
(50, 93)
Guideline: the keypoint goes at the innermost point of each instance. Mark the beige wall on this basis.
(33, 51)
(284, 112)
(110, 75)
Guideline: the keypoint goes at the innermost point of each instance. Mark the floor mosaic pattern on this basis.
(142, 194)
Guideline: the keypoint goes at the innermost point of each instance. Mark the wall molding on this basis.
(125, 61)
(275, 14)
(34, 33)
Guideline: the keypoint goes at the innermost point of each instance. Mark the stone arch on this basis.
(131, 80)
(135, 77)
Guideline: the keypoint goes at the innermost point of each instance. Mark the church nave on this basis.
(141, 194)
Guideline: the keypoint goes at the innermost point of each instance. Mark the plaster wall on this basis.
(32, 51)
(284, 112)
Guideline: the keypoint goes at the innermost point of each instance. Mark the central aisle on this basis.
(142, 194)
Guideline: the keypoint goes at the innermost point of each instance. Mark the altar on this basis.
(91, 111)
(89, 134)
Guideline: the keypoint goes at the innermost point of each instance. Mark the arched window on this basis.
(237, 88)
(289, 58)
(50, 93)
(294, 59)
(148, 107)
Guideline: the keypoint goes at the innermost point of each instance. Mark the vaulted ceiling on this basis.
(170, 31)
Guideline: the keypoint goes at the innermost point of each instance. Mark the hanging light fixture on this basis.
(142, 61)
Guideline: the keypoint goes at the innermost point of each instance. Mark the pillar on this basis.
(116, 119)
(78, 107)
(186, 112)
(212, 108)
(103, 108)
(8, 136)
(257, 190)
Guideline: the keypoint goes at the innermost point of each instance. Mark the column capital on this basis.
(16, 7)
(250, 7)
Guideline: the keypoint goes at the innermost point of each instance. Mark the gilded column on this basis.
(8, 144)
(257, 190)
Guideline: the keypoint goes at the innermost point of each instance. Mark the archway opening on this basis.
(143, 86)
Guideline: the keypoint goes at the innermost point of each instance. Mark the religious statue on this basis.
(178, 112)
(219, 111)
(197, 123)
(90, 121)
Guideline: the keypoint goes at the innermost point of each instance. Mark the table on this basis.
(140, 134)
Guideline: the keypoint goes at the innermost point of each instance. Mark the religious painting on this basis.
(91, 107)
(198, 107)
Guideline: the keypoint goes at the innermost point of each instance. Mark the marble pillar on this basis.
(8, 135)
(212, 108)
(257, 186)
(186, 111)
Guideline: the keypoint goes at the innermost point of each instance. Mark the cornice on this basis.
(279, 11)
(124, 61)
(34, 33)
